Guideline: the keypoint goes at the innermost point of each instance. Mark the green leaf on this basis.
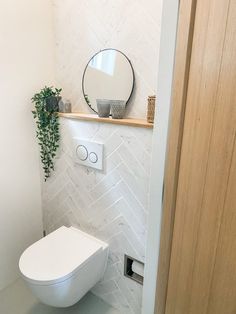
(47, 131)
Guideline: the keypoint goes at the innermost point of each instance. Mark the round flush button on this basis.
(93, 157)
(82, 152)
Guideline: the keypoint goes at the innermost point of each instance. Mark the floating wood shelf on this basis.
(142, 123)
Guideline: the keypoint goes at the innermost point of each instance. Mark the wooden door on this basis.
(202, 273)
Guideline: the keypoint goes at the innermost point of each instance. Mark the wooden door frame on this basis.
(185, 31)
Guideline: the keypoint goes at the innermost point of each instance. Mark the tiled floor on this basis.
(17, 299)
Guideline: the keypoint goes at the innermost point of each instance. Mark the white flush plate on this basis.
(88, 153)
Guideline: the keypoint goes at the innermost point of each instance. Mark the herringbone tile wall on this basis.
(111, 205)
(82, 28)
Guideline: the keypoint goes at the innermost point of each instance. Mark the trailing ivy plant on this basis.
(47, 122)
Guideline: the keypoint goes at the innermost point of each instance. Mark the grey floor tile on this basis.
(17, 299)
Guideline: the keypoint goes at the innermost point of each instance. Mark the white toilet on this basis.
(62, 267)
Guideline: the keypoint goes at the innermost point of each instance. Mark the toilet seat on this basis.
(58, 256)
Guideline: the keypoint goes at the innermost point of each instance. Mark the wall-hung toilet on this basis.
(62, 267)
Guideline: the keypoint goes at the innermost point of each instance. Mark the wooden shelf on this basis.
(142, 123)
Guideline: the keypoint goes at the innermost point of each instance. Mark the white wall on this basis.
(26, 54)
(165, 78)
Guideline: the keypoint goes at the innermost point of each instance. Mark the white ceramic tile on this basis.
(110, 204)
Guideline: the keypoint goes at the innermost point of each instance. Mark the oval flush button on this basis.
(93, 157)
(82, 152)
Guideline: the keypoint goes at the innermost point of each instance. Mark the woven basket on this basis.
(151, 109)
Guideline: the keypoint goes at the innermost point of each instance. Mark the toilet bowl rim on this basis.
(32, 278)
(64, 278)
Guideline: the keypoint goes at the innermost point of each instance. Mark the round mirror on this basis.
(108, 75)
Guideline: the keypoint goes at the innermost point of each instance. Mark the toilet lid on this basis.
(58, 256)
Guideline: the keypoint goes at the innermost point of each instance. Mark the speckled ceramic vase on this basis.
(118, 109)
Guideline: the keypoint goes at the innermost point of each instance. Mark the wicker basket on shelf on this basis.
(151, 109)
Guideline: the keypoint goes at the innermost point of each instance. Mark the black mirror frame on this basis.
(86, 99)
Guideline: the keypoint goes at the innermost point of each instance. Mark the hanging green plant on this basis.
(47, 121)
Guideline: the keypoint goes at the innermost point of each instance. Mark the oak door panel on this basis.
(201, 249)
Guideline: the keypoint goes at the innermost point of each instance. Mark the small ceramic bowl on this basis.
(118, 109)
(104, 107)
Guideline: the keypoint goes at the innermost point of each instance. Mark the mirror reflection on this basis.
(108, 76)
